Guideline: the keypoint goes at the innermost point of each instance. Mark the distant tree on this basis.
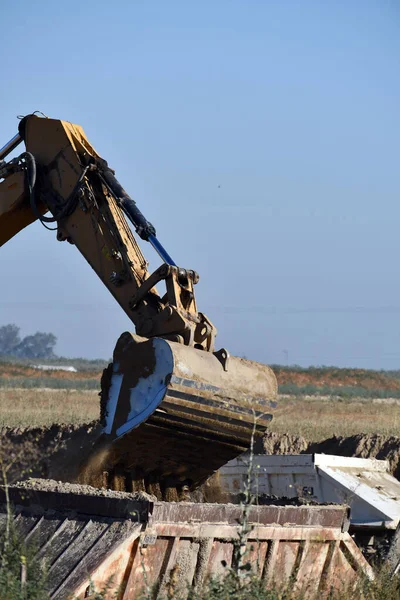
(39, 345)
(9, 339)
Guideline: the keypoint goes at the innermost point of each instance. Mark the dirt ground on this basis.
(57, 452)
(54, 452)
(331, 376)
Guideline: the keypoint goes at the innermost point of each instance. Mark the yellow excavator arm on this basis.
(173, 409)
(61, 172)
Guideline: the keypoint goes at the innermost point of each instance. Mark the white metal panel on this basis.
(347, 462)
(372, 493)
(296, 477)
(374, 496)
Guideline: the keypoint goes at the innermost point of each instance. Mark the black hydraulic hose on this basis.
(66, 209)
(30, 163)
(143, 227)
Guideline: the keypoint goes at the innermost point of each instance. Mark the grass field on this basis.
(314, 418)
(317, 418)
(38, 407)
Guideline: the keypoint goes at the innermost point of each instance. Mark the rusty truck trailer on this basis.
(94, 536)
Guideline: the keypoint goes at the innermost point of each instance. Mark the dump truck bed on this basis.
(94, 534)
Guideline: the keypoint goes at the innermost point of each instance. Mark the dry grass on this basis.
(312, 417)
(38, 407)
(319, 418)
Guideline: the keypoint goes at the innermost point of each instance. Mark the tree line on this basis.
(38, 345)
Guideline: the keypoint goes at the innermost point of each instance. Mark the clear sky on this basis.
(261, 137)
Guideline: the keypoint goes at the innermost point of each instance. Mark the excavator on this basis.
(173, 409)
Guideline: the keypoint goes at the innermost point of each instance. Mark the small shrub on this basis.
(22, 577)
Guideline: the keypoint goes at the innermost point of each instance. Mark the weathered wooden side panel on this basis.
(181, 563)
(176, 551)
(177, 546)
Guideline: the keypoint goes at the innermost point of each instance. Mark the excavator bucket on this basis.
(173, 414)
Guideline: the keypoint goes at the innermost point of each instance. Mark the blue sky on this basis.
(262, 140)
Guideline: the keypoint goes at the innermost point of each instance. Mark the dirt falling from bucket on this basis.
(69, 453)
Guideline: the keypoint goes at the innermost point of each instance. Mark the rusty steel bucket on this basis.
(175, 414)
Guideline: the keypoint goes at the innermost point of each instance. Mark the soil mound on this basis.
(282, 443)
(54, 452)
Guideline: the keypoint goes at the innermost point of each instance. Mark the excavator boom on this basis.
(173, 409)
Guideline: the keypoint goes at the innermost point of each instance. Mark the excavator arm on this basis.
(90, 210)
(173, 409)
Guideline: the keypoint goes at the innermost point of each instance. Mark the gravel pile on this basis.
(50, 485)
